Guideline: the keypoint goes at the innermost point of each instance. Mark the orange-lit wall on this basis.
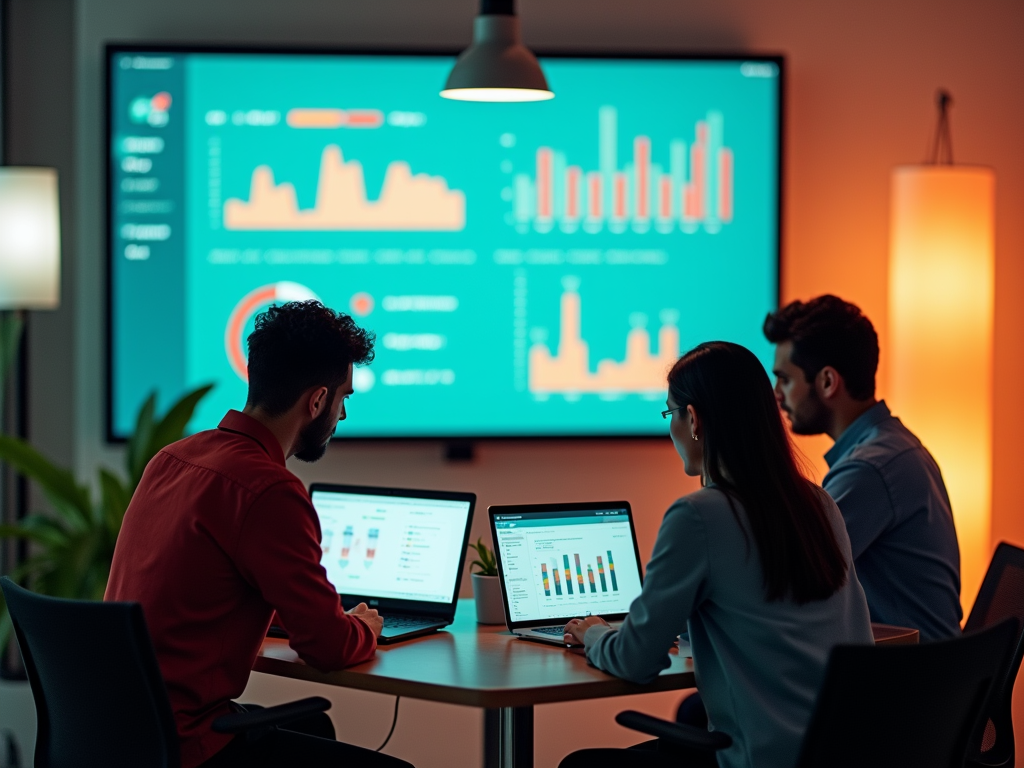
(861, 81)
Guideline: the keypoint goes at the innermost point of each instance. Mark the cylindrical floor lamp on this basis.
(941, 296)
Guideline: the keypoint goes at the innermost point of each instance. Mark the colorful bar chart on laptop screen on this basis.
(533, 550)
(554, 257)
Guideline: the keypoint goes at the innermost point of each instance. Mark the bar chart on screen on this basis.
(567, 371)
(594, 582)
(694, 191)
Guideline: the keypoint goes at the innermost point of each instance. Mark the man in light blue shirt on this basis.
(888, 487)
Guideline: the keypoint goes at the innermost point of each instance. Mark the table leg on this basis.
(508, 737)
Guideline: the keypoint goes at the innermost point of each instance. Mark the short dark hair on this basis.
(299, 345)
(829, 331)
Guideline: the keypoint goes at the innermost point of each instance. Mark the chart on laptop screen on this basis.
(567, 563)
(391, 547)
(542, 256)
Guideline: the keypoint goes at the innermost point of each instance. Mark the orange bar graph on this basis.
(407, 202)
(594, 190)
(642, 159)
(544, 196)
(569, 370)
(725, 184)
(665, 204)
(573, 175)
(620, 196)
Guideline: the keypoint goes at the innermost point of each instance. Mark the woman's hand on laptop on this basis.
(577, 628)
(369, 616)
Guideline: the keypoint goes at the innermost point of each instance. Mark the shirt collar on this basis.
(855, 433)
(239, 423)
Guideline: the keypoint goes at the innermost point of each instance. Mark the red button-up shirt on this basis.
(217, 537)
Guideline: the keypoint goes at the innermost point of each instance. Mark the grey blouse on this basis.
(758, 664)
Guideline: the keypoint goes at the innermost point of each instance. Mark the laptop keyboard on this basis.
(557, 631)
(401, 622)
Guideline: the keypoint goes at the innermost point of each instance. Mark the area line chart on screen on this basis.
(406, 202)
(526, 269)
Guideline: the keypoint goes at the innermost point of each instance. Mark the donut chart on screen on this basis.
(526, 269)
(246, 309)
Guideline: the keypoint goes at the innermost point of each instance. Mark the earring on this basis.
(693, 435)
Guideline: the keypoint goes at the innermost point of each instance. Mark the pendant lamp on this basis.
(497, 66)
(941, 296)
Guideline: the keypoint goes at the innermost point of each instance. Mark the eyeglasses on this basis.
(665, 413)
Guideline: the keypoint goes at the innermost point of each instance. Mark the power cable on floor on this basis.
(394, 722)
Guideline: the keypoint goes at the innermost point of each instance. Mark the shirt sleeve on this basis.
(675, 585)
(278, 552)
(863, 499)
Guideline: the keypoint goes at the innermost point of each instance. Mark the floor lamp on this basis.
(29, 279)
(941, 296)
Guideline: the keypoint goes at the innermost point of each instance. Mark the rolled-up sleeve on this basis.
(674, 585)
(279, 554)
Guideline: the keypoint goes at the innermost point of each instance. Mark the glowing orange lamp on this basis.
(942, 258)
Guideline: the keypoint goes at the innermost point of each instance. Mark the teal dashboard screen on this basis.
(528, 269)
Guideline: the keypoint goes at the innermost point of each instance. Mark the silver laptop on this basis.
(562, 561)
(397, 550)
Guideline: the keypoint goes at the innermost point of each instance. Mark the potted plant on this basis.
(72, 546)
(486, 586)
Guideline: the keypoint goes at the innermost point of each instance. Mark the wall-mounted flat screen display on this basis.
(528, 269)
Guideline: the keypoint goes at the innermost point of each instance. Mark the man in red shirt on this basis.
(220, 534)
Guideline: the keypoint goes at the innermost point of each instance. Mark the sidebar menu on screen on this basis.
(147, 223)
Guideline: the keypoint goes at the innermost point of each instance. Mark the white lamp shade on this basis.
(29, 239)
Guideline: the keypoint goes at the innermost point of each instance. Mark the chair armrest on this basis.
(239, 722)
(676, 733)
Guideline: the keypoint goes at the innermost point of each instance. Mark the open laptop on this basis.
(562, 561)
(397, 550)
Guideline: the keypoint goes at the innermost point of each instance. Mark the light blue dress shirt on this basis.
(759, 664)
(898, 515)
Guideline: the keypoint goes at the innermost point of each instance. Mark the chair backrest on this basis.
(100, 697)
(911, 706)
(1001, 597)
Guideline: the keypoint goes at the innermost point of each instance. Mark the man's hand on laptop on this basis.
(577, 628)
(369, 616)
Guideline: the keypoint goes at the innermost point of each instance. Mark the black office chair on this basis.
(1001, 597)
(100, 697)
(900, 706)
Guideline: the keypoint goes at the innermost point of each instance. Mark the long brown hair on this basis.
(742, 432)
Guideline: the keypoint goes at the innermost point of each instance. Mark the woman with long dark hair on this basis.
(755, 567)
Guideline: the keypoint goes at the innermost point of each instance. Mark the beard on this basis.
(813, 417)
(314, 438)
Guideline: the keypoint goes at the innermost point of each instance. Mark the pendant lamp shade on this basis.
(497, 66)
(29, 239)
(941, 296)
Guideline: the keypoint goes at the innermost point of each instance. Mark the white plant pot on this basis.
(487, 596)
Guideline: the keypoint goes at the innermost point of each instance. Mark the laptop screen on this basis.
(397, 547)
(567, 563)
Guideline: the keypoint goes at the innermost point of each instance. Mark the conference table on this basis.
(486, 666)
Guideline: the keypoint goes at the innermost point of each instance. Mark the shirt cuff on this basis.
(595, 633)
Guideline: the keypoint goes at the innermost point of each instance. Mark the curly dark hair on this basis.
(299, 345)
(829, 331)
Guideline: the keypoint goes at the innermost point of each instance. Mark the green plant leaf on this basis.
(135, 455)
(38, 528)
(167, 430)
(114, 499)
(69, 499)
